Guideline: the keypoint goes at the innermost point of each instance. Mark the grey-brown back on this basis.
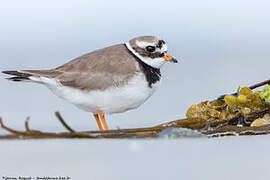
(111, 66)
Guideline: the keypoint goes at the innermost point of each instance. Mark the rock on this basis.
(261, 121)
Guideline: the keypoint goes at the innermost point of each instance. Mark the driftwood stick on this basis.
(191, 123)
(60, 118)
(119, 131)
(211, 129)
(260, 84)
(250, 87)
(38, 134)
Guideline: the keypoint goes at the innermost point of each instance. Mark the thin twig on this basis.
(26, 124)
(60, 118)
(260, 84)
(19, 133)
(250, 87)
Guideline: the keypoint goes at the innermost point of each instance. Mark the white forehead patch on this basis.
(143, 44)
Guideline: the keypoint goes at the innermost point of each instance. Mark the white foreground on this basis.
(186, 158)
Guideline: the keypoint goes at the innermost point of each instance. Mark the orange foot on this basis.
(98, 122)
(101, 116)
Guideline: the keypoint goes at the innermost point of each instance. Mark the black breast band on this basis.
(152, 74)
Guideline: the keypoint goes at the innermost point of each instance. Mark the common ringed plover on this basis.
(109, 80)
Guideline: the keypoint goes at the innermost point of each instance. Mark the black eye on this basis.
(150, 48)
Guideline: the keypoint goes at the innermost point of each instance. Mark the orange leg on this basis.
(98, 122)
(101, 115)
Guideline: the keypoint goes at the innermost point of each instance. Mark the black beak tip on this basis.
(174, 60)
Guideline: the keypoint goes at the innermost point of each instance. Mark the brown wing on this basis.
(111, 66)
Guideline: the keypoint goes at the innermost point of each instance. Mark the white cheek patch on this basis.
(156, 62)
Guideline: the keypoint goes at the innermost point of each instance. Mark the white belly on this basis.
(111, 100)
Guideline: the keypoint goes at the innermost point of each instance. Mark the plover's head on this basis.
(150, 50)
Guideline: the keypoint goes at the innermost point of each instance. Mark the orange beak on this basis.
(167, 57)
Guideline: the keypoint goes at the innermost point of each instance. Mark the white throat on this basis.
(153, 62)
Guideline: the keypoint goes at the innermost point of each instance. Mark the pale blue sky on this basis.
(219, 45)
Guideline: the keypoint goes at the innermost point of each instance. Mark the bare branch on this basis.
(12, 131)
(60, 118)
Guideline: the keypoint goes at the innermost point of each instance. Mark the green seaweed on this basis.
(244, 103)
(265, 94)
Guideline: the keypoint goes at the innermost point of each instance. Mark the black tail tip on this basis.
(18, 76)
(15, 73)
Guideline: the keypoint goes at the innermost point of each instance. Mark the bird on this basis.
(111, 80)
